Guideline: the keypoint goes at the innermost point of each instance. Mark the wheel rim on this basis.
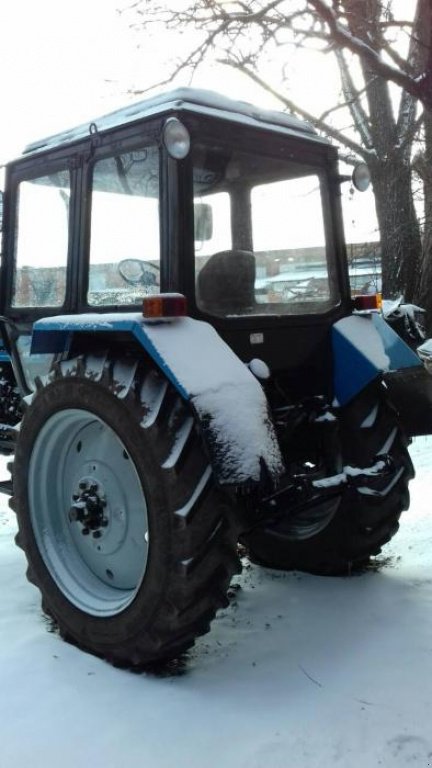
(99, 571)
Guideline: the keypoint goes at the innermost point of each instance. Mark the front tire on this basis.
(343, 535)
(126, 536)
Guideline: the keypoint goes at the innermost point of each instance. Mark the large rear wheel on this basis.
(341, 534)
(126, 536)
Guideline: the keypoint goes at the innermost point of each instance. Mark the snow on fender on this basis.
(364, 346)
(228, 400)
(227, 397)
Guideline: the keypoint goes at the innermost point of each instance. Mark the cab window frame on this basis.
(38, 170)
(115, 145)
(316, 160)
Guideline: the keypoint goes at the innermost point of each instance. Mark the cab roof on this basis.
(191, 100)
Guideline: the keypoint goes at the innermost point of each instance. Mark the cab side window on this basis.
(41, 241)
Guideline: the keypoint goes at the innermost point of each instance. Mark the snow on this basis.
(348, 471)
(398, 308)
(425, 350)
(300, 671)
(359, 330)
(152, 395)
(221, 386)
(200, 101)
(184, 511)
(180, 439)
(205, 369)
(90, 321)
(259, 369)
(223, 391)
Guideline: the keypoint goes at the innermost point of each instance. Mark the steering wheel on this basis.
(138, 272)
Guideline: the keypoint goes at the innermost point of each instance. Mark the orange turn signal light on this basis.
(164, 305)
(367, 301)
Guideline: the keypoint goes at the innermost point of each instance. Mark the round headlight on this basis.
(176, 138)
(361, 177)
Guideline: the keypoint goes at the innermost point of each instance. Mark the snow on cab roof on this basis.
(191, 100)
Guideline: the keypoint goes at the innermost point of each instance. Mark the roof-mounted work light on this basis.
(176, 138)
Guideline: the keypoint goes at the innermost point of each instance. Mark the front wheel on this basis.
(126, 536)
(341, 535)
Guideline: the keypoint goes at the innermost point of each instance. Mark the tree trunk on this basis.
(425, 170)
(390, 171)
(400, 234)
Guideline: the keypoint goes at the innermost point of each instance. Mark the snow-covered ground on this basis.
(298, 672)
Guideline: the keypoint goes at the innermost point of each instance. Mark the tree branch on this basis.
(290, 105)
(361, 119)
(419, 87)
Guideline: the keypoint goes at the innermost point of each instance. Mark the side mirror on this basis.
(203, 222)
(361, 177)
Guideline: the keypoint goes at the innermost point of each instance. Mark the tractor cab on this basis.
(236, 208)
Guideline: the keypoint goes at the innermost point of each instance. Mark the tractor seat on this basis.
(225, 285)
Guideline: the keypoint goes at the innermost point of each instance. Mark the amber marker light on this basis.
(367, 302)
(164, 305)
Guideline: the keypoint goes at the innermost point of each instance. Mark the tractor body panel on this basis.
(365, 347)
(258, 276)
(228, 400)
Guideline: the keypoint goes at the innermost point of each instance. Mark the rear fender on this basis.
(227, 399)
(364, 348)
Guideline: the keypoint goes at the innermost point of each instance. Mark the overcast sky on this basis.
(54, 56)
(63, 63)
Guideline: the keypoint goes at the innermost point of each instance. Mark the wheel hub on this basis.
(88, 508)
(97, 548)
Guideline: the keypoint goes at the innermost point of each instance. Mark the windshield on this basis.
(260, 236)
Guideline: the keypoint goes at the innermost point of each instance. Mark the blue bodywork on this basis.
(364, 347)
(55, 336)
(4, 357)
(225, 396)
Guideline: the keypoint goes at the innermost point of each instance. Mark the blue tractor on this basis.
(184, 368)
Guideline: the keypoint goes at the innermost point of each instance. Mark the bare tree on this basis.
(361, 34)
(413, 74)
(423, 166)
(390, 137)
